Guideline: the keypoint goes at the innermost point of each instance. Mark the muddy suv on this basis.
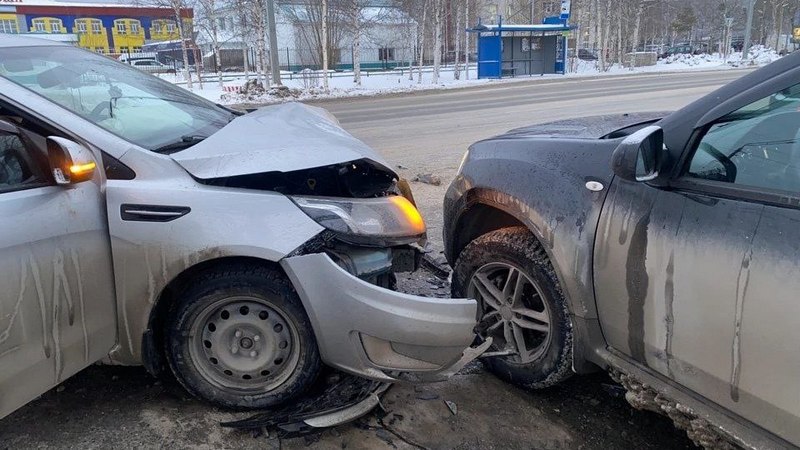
(663, 247)
(141, 224)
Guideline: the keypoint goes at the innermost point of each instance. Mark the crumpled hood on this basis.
(279, 138)
(593, 127)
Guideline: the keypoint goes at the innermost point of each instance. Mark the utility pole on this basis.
(274, 61)
(325, 45)
(748, 30)
(532, 10)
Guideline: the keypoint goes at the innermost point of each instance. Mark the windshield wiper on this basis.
(184, 143)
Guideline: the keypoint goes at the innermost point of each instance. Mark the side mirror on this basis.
(638, 157)
(8, 127)
(70, 162)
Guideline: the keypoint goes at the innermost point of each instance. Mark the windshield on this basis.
(136, 106)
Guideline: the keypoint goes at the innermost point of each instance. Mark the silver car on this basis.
(141, 224)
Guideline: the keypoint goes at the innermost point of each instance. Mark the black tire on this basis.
(516, 246)
(266, 286)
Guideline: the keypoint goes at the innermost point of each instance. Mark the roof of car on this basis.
(8, 40)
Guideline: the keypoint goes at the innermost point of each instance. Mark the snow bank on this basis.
(307, 85)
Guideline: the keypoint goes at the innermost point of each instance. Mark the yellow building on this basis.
(101, 28)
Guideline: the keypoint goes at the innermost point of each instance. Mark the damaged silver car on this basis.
(141, 224)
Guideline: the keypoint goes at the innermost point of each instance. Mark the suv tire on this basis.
(494, 257)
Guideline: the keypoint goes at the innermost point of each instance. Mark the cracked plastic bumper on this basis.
(378, 333)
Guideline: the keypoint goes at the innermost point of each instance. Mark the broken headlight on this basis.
(383, 221)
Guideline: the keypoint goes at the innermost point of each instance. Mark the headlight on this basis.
(384, 221)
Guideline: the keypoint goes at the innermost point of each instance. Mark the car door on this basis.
(699, 281)
(57, 311)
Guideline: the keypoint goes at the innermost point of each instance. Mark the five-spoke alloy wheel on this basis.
(520, 305)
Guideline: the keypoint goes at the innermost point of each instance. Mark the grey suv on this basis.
(662, 247)
(140, 224)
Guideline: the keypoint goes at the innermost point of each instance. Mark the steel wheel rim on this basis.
(512, 310)
(244, 344)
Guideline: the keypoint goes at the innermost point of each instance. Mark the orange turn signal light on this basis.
(410, 212)
(79, 169)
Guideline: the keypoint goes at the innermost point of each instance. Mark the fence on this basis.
(300, 58)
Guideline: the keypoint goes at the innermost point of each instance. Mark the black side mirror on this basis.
(8, 127)
(639, 156)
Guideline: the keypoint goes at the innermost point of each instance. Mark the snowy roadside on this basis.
(307, 85)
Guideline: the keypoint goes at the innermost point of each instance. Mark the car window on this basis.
(122, 99)
(18, 169)
(757, 146)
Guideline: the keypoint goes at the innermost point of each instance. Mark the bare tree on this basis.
(354, 10)
(325, 44)
(421, 39)
(209, 22)
(456, 11)
(178, 8)
(438, 11)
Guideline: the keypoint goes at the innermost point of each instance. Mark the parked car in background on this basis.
(150, 65)
(680, 49)
(664, 248)
(586, 54)
(142, 224)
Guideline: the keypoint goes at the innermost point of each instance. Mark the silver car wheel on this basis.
(244, 344)
(512, 311)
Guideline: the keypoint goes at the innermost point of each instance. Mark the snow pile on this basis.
(308, 85)
(758, 56)
(688, 60)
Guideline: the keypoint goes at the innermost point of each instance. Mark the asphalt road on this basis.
(112, 407)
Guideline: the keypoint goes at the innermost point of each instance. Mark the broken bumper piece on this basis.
(381, 334)
(338, 399)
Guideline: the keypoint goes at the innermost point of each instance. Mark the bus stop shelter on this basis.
(521, 50)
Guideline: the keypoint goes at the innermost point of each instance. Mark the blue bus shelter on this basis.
(522, 50)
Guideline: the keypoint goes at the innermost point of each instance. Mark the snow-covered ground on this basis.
(307, 86)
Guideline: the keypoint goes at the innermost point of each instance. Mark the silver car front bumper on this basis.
(378, 333)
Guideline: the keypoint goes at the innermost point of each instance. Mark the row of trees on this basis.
(435, 28)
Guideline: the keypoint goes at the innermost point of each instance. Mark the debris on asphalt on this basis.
(427, 395)
(428, 178)
(339, 398)
(452, 407)
(401, 167)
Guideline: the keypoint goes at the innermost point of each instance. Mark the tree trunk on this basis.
(466, 40)
(325, 45)
(637, 25)
(217, 58)
(261, 43)
(421, 37)
(245, 57)
(187, 73)
(457, 67)
(437, 48)
(357, 42)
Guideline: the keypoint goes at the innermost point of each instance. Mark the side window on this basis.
(18, 167)
(757, 146)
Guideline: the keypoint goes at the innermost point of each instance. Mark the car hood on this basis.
(279, 138)
(593, 127)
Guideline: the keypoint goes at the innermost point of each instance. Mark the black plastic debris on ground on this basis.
(335, 392)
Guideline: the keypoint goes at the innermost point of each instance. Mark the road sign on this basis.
(565, 9)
